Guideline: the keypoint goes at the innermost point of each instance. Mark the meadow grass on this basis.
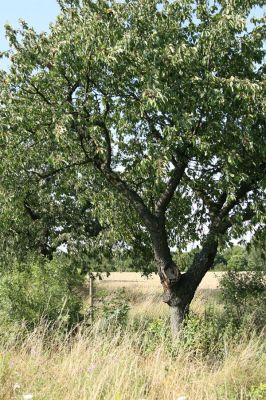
(119, 363)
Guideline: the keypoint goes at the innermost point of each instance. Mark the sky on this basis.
(38, 13)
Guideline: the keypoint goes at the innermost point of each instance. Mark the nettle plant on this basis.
(160, 107)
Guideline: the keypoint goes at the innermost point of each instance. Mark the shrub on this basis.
(112, 309)
(258, 392)
(209, 335)
(244, 297)
(155, 333)
(40, 290)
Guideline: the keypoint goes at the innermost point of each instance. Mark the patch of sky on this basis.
(36, 13)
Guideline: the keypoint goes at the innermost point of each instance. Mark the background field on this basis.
(135, 279)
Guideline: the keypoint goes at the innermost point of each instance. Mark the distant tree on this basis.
(257, 255)
(161, 107)
(220, 262)
(238, 260)
(184, 259)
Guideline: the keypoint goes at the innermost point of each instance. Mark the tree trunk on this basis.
(178, 294)
(177, 315)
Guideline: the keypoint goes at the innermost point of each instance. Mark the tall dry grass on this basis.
(112, 365)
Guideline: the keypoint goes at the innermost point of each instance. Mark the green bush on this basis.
(210, 335)
(258, 392)
(112, 309)
(244, 297)
(40, 290)
(156, 332)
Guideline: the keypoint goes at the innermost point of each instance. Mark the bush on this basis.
(244, 297)
(112, 309)
(258, 392)
(210, 335)
(156, 332)
(40, 290)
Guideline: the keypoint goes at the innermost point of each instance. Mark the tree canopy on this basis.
(156, 109)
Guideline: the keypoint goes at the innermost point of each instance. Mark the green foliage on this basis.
(126, 261)
(257, 256)
(258, 392)
(244, 296)
(185, 259)
(210, 335)
(112, 310)
(156, 332)
(92, 104)
(241, 258)
(236, 258)
(40, 290)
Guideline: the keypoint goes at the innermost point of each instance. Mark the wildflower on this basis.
(28, 396)
(91, 368)
(16, 386)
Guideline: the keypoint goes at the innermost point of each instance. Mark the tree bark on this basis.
(168, 271)
(177, 316)
(178, 294)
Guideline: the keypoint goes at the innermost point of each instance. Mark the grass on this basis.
(121, 363)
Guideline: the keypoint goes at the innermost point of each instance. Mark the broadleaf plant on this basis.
(160, 107)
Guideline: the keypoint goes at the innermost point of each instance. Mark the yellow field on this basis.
(136, 280)
(145, 294)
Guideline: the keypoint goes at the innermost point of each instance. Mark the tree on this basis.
(237, 258)
(161, 107)
(257, 254)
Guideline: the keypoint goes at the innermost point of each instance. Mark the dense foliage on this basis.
(155, 112)
(38, 291)
(192, 90)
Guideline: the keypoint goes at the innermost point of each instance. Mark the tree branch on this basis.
(33, 215)
(247, 215)
(121, 186)
(244, 188)
(56, 171)
(107, 136)
(37, 91)
(165, 198)
(71, 91)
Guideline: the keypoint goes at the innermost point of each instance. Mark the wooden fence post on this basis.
(91, 290)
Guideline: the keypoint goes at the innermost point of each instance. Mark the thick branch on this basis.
(202, 262)
(227, 223)
(33, 215)
(172, 184)
(122, 187)
(244, 188)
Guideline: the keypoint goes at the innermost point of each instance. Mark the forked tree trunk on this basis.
(178, 293)
(178, 296)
